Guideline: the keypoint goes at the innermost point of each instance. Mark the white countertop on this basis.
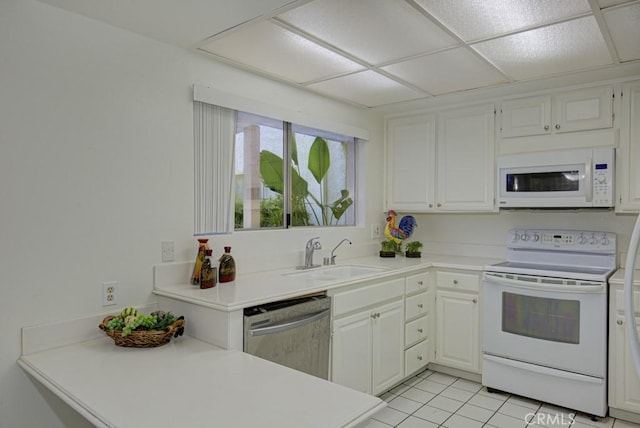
(253, 289)
(189, 383)
(618, 277)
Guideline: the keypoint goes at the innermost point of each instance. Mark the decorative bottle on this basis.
(208, 271)
(202, 247)
(227, 270)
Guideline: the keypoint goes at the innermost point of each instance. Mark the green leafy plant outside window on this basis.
(319, 162)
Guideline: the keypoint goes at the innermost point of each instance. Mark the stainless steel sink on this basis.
(335, 273)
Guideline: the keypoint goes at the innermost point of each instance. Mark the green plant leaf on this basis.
(319, 159)
(294, 149)
(271, 171)
(342, 204)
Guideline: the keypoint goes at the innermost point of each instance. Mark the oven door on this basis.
(552, 325)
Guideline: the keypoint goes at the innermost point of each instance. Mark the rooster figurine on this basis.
(404, 229)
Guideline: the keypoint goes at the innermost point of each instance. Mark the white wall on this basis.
(96, 169)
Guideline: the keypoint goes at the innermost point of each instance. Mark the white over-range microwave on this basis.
(557, 179)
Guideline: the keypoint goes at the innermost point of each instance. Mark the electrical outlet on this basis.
(109, 290)
(167, 251)
(375, 231)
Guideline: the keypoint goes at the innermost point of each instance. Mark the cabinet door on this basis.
(526, 116)
(351, 351)
(628, 160)
(466, 163)
(410, 163)
(583, 110)
(388, 346)
(458, 330)
(624, 385)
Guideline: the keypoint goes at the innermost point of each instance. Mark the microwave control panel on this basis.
(602, 172)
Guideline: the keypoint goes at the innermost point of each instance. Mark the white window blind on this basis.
(214, 137)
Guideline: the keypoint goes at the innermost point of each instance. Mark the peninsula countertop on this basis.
(188, 383)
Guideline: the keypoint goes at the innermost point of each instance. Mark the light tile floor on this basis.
(431, 399)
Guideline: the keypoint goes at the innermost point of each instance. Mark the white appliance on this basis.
(545, 317)
(557, 179)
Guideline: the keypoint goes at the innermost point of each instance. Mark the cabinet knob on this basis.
(546, 127)
(420, 305)
(558, 126)
(475, 300)
(619, 322)
(419, 330)
(439, 204)
(455, 282)
(430, 205)
(419, 358)
(420, 283)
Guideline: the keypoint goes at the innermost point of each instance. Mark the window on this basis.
(317, 187)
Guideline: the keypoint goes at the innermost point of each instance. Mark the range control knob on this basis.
(593, 240)
(604, 240)
(535, 237)
(582, 240)
(515, 236)
(525, 237)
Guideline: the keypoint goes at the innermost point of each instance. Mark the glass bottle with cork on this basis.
(227, 268)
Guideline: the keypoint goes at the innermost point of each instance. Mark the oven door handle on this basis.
(491, 279)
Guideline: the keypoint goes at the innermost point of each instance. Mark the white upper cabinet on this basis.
(411, 160)
(578, 110)
(628, 159)
(443, 162)
(466, 159)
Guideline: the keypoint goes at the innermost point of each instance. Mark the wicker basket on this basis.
(143, 339)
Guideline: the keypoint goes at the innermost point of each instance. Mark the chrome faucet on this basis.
(308, 252)
(333, 258)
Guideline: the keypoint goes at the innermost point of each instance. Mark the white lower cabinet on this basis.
(458, 321)
(368, 341)
(624, 384)
(418, 329)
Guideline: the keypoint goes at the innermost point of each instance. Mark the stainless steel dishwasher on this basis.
(294, 333)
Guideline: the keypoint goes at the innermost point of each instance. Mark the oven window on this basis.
(556, 320)
(557, 181)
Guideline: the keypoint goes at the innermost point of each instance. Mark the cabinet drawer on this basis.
(417, 283)
(416, 305)
(458, 281)
(620, 301)
(416, 357)
(368, 295)
(416, 331)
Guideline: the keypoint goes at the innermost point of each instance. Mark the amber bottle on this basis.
(227, 269)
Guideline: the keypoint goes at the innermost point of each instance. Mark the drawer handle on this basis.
(420, 283)
(557, 126)
(420, 330)
(419, 358)
(420, 305)
(546, 127)
(619, 322)
(475, 300)
(455, 282)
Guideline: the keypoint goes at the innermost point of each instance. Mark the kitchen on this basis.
(97, 161)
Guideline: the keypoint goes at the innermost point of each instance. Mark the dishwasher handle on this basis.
(289, 324)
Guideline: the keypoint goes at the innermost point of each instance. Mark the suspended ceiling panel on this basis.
(479, 19)
(448, 71)
(370, 29)
(367, 88)
(376, 52)
(268, 47)
(565, 47)
(624, 27)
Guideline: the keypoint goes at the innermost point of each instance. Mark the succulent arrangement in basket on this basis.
(132, 328)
